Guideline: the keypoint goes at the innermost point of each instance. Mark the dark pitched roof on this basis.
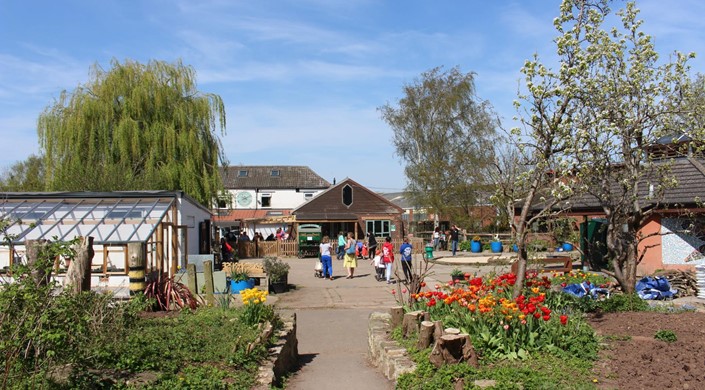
(690, 188)
(328, 205)
(264, 177)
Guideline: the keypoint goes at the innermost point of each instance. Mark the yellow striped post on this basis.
(137, 260)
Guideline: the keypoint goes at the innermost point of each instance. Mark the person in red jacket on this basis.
(388, 258)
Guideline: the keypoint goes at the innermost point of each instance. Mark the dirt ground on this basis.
(634, 359)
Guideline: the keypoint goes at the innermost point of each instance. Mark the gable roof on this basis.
(261, 177)
(328, 205)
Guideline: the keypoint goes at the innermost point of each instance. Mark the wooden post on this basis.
(208, 280)
(410, 323)
(397, 313)
(425, 335)
(137, 260)
(192, 282)
(78, 275)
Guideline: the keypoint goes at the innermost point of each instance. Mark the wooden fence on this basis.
(290, 248)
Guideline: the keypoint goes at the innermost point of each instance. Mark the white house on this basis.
(260, 198)
(169, 223)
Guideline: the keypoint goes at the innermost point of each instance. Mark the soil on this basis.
(635, 359)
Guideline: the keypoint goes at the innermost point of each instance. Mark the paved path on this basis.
(332, 319)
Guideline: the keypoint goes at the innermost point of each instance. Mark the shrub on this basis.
(275, 269)
(666, 335)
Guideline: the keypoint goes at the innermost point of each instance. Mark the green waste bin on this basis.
(429, 252)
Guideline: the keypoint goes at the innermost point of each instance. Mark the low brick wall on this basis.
(384, 353)
(283, 356)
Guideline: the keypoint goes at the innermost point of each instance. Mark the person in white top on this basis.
(326, 260)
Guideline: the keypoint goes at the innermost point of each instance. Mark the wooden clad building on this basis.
(350, 207)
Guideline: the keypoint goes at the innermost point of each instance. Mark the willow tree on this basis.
(445, 135)
(135, 127)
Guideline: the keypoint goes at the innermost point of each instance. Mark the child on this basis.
(388, 258)
(379, 266)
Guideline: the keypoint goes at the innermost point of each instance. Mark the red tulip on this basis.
(564, 319)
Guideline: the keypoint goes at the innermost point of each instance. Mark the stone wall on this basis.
(385, 353)
(283, 355)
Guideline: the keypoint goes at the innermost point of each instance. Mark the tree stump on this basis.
(40, 268)
(397, 313)
(451, 331)
(453, 349)
(78, 275)
(426, 316)
(410, 324)
(437, 330)
(425, 335)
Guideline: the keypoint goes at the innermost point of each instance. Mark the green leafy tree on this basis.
(444, 133)
(135, 127)
(27, 175)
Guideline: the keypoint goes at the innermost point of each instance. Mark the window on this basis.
(275, 172)
(223, 202)
(242, 173)
(379, 228)
(308, 196)
(347, 195)
(266, 200)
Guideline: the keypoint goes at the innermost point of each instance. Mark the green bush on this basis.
(623, 302)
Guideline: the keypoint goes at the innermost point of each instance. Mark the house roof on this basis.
(689, 173)
(271, 177)
(328, 205)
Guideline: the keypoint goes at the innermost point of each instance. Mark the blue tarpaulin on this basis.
(585, 288)
(654, 288)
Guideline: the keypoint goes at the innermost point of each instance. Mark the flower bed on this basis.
(504, 328)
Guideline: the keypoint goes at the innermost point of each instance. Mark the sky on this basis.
(302, 80)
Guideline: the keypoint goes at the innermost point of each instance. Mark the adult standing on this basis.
(436, 237)
(340, 250)
(371, 245)
(454, 233)
(388, 258)
(326, 261)
(405, 251)
(350, 261)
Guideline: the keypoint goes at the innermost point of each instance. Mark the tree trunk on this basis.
(78, 276)
(40, 269)
(453, 349)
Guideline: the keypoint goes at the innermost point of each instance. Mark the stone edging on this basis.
(283, 355)
(386, 354)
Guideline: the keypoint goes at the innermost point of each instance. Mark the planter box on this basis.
(236, 287)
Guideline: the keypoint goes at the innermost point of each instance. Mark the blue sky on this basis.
(301, 80)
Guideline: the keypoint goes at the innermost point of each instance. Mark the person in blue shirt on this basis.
(405, 251)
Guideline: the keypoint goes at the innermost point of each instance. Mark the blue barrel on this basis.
(475, 246)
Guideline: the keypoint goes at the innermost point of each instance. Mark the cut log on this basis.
(397, 313)
(426, 316)
(453, 349)
(451, 331)
(425, 335)
(411, 322)
(437, 330)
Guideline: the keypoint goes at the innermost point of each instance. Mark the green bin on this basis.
(429, 252)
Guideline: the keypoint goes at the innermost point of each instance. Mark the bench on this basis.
(565, 261)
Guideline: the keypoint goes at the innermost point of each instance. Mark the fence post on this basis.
(192, 282)
(208, 280)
